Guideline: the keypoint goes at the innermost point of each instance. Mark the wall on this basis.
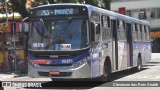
(138, 4)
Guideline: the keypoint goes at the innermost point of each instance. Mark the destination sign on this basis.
(58, 11)
(64, 11)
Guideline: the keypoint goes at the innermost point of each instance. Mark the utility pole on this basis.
(14, 42)
(6, 8)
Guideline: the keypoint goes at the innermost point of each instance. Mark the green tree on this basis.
(65, 1)
(2, 7)
(51, 1)
(107, 4)
(20, 5)
(92, 2)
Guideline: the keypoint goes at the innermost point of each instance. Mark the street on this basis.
(150, 72)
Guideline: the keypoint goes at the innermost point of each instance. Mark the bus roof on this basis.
(97, 9)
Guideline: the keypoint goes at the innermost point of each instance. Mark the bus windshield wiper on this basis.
(42, 21)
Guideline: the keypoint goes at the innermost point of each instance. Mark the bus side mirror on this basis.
(23, 32)
(92, 31)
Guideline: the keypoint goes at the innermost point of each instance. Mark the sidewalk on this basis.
(155, 56)
(7, 75)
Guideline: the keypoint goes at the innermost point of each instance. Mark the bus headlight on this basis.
(81, 62)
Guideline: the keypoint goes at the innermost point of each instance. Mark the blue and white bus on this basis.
(77, 41)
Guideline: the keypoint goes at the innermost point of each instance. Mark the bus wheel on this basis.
(106, 72)
(139, 64)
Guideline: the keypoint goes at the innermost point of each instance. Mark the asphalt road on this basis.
(148, 79)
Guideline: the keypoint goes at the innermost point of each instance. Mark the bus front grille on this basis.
(55, 65)
(61, 74)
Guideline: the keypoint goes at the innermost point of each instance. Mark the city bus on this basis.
(79, 41)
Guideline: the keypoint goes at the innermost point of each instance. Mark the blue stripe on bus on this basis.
(71, 60)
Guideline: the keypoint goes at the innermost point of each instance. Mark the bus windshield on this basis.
(58, 34)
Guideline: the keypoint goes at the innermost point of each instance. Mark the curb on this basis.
(7, 76)
(20, 75)
(4, 76)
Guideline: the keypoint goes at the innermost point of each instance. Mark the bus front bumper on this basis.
(59, 72)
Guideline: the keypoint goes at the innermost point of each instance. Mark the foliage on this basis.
(21, 5)
(92, 2)
(51, 1)
(107, 4)
(2, 7)
(38, 2)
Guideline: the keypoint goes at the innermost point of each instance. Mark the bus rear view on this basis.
(58, 45)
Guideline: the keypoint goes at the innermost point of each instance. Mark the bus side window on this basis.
(97, 36)
(137, 28)
(95, 32)
(124, 30)
(149, 36)
(114, 27)
(136, 32)
(92, 31)
(121, 30)
(133, 32)
(108, 20)
(95, 26)
(124, 25)
(105, 20)
(145, 33)
(128, 31)
(140, 35)
(118, 24)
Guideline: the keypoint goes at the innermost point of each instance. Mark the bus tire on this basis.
(139, 64)
(106, 71)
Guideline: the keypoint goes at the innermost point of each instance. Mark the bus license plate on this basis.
(54, 72)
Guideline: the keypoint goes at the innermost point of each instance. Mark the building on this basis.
(8, 42)
(143, 9)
